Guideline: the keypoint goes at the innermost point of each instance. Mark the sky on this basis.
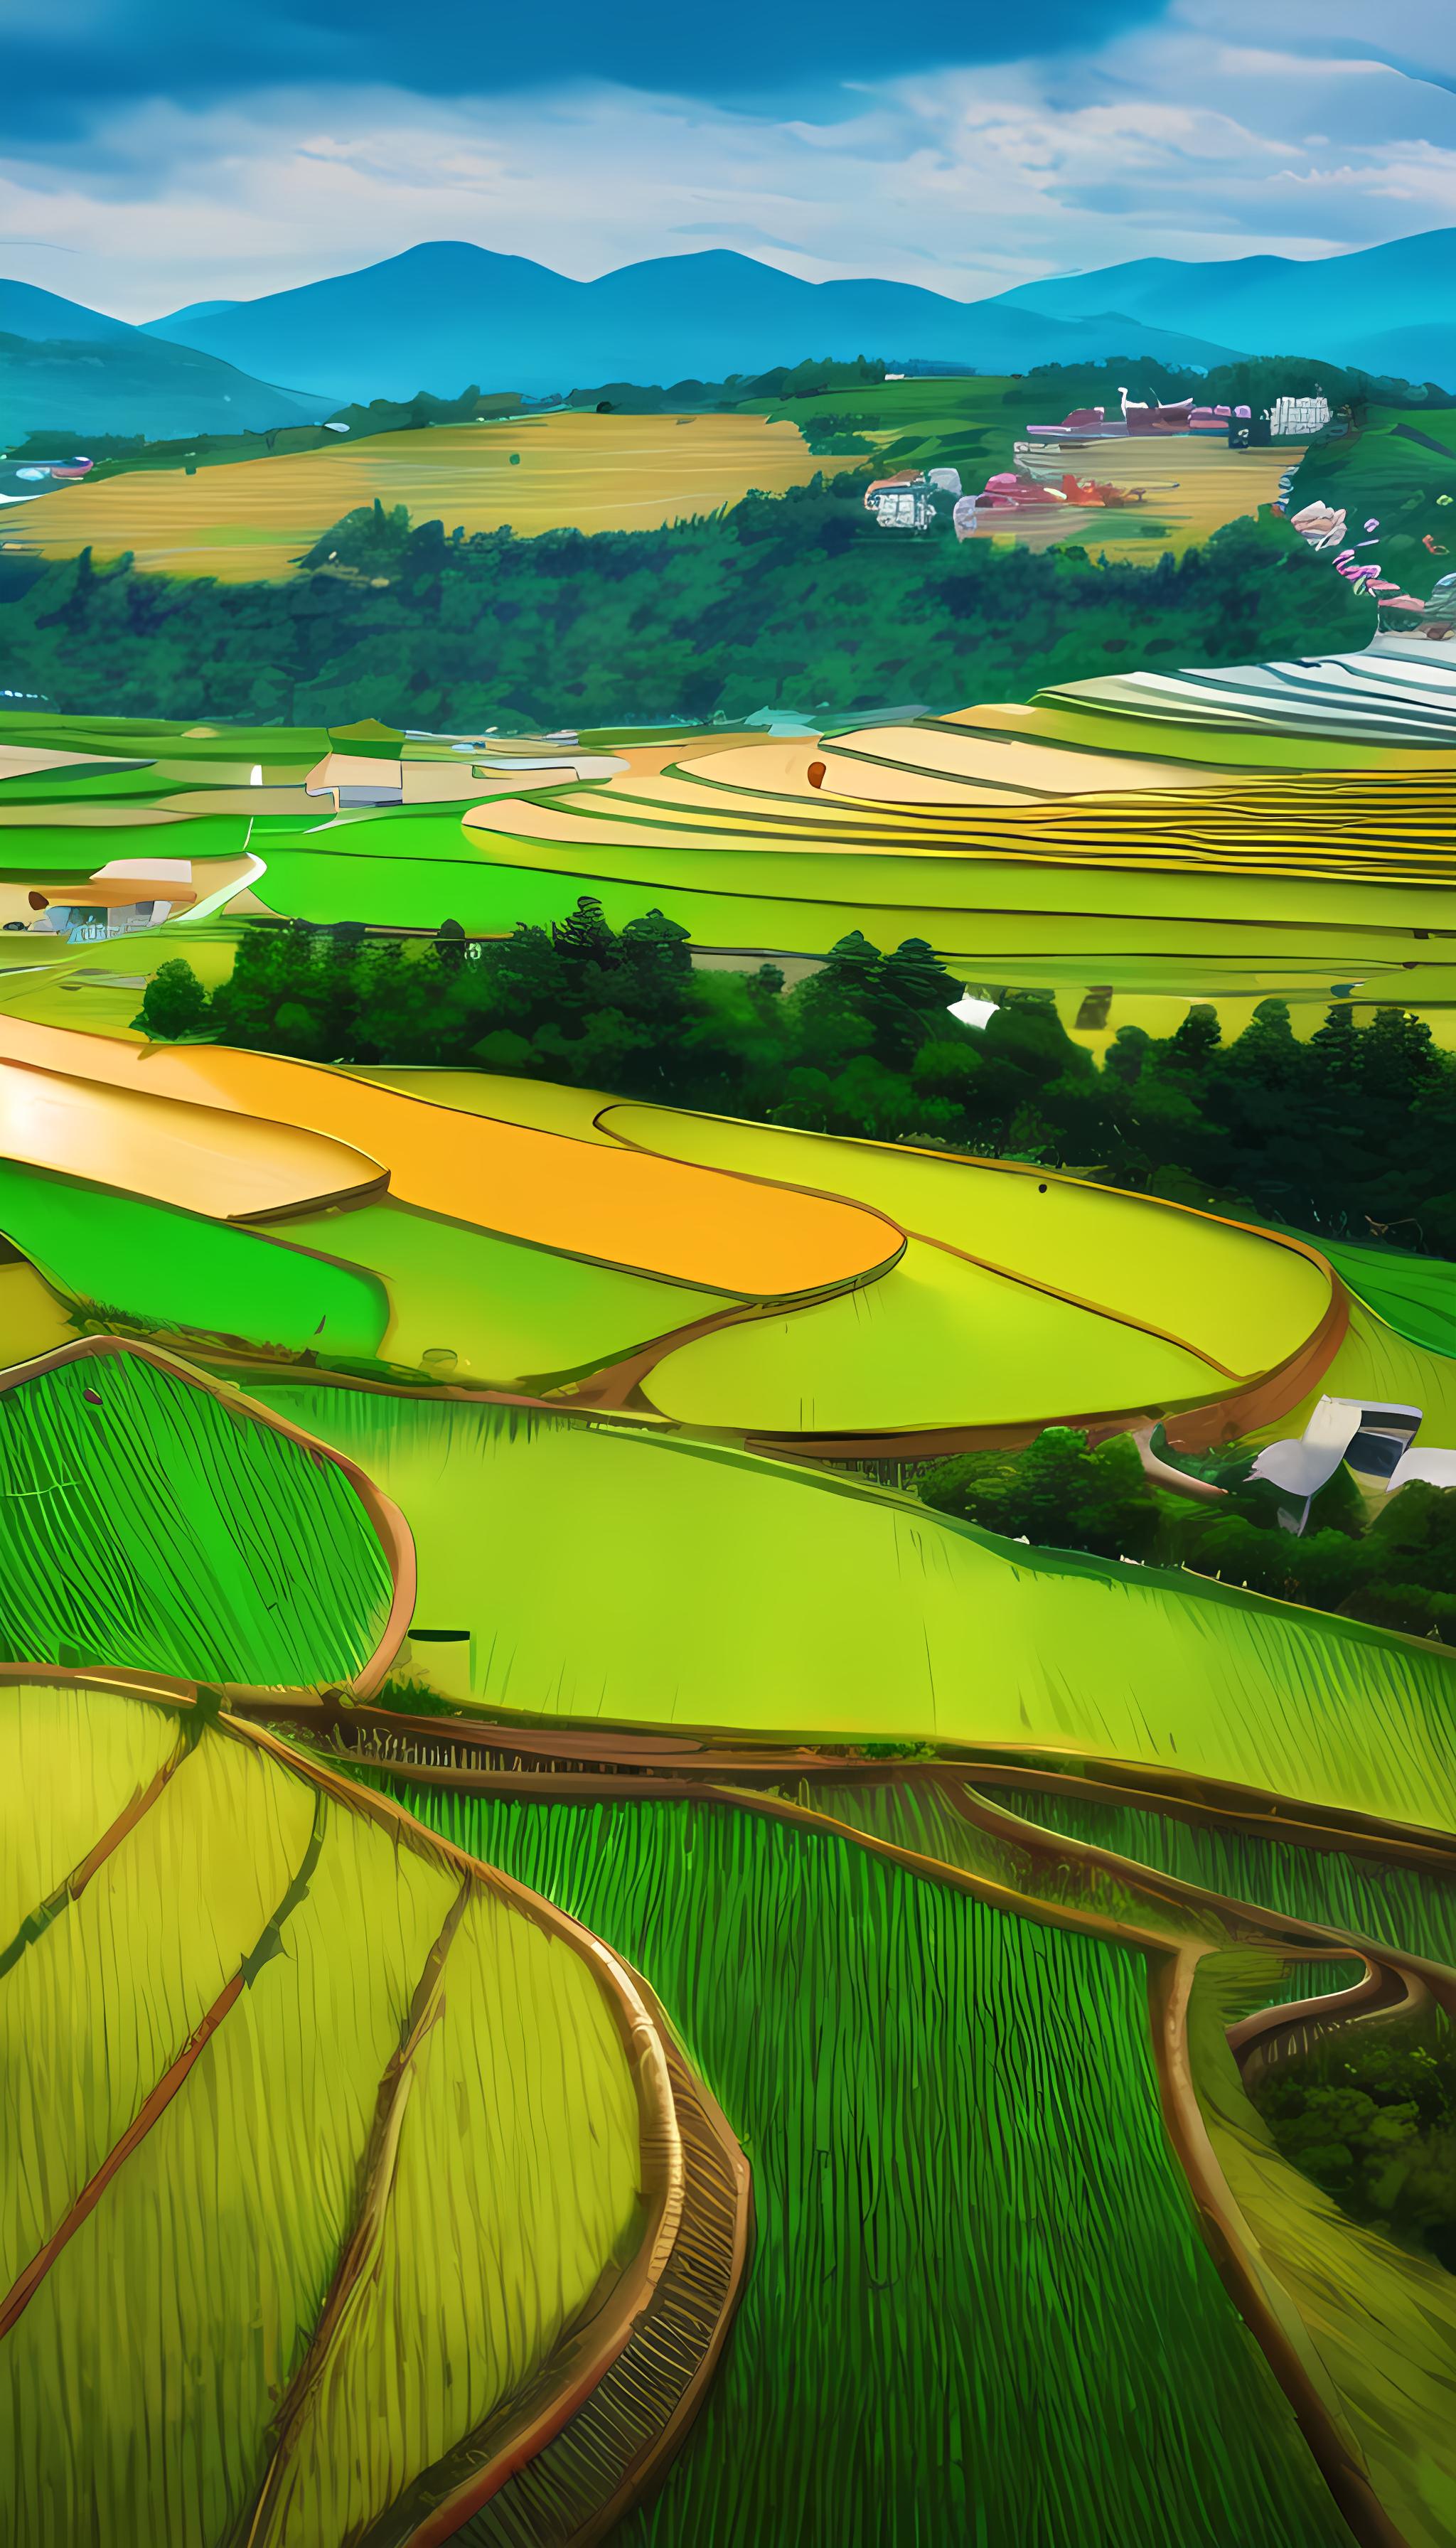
(157, 153)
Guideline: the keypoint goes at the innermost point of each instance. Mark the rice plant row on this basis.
(146, 1523)
(980, 2308)
(1412, 1909)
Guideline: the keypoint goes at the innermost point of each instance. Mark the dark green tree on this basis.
(173, 1004)
(449, 945)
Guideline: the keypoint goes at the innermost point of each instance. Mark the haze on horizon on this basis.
(153, 163)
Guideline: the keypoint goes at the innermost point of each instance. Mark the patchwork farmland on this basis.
(628, 1702)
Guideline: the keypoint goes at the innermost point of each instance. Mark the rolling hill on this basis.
(65, 367)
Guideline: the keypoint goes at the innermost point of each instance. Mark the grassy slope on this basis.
(1414, 1295)
(1377, 1364)
(980, 2307)
(605, 1572)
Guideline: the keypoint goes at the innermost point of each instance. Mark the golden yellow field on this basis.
(1192, 488)
(248, 519)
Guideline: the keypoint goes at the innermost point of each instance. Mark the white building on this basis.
(1298, 415)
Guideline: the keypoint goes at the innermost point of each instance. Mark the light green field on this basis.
(739, 900)
(179, 1272)
(935, 1341)
(1377, 1364)
(130, 738)
(512, 1314)
(79, 849)
(382, 2071)
(1411, 1908)
(1222, 1303)
(596, 1571)
(111, 1754)
(539, 1103)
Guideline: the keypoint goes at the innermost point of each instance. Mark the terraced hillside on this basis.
(279, 2061)
(740, 1281)
(878, 1880)
(710, 1589)
(577, 1964)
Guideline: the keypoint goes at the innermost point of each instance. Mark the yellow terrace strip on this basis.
(923, 765)
(1381, 829)
(1087, 724)
(654, 1215)
(224, 1165)
(388, 2146)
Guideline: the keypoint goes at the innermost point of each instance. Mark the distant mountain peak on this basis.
(443, 314)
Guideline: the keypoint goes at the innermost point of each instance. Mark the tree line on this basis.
(1351, 1131)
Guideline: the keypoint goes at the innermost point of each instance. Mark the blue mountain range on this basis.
(445, 314)
(1388, 309)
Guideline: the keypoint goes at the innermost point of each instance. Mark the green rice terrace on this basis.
(217, 1546)
(728, 1589)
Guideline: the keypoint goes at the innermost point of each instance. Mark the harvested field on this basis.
(250, 521)
(226, 1167)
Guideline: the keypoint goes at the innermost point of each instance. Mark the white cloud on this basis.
(1232, 129)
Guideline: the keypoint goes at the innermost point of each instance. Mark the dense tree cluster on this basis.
(1352, 1131)
(1060, 1492)
(1246, 380)
(806, 380)
(796, 600)
(1370, 2115)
